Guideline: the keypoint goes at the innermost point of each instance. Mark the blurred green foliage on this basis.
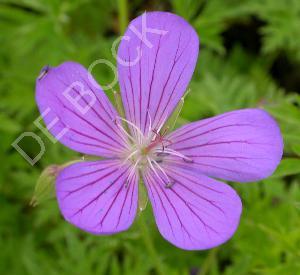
(250, 57)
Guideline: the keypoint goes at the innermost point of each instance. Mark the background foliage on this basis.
(250, 57)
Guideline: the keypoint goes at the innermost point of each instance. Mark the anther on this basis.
(188, 160)
(162, 154)
(160, 160)
(169, 184)
(126, 184)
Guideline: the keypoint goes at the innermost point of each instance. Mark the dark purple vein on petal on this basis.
(176, 59)
(89, 123)
(174, 209)
(70, 192)
(199, 218)
(186, 203)
(213, 130)
(132, 90)
(170, 96)
(195, 126)
(228, 157)
(207, 165)
(168, 79)
(140, 83)
(109, 148)
(221, 143)
(88, 165)
(116, 131)
(173, 171)
(132, 186)
(100, 194)
(152, 79)
(111, 205)
(110, 115)
(152, 183)
(96, 146)
(131, 200)
(213, 203)
(127, 100)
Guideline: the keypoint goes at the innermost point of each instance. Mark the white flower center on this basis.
(148, 151)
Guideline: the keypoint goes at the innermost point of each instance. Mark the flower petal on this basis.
(196, 212)
(97, 196)
(156, 60)
(77, 112)
(244, 145)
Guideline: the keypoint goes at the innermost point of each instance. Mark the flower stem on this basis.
(149, 245)
(123, 15)
(209, 261)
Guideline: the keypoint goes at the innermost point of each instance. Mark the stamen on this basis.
(150, 124)
(131, 155)
(154, 170)
(160, 168)
(162, 154)
(140, 136)
(189, 160)
(162, 124)
(151, 166)
(174, 153)
(132, 171)
(159, 160)
(180, 105)
(156, 134)
(124, 131)
(155, 131)
(171, 121)
(169, 183)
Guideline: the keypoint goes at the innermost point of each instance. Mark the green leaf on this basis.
(296, 149)
(287, 167)
(9, 125)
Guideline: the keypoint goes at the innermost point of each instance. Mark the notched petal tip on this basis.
(196, 212)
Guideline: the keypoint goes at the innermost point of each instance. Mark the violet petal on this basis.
(194, 212)
(77, 112)
(97, 196)
(244, 145)
(154, 71)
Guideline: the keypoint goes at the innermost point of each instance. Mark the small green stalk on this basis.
(119, 104)
(150, 247)
(143, 197)
(123, 15)
(171, 122)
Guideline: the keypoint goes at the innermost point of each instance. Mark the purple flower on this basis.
(192, 208)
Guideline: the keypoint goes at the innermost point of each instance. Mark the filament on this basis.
(150, 124)
(155, 172)
(173, 153)
(140, 136)
(131, 155)
(125, 132)
(132, 171)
